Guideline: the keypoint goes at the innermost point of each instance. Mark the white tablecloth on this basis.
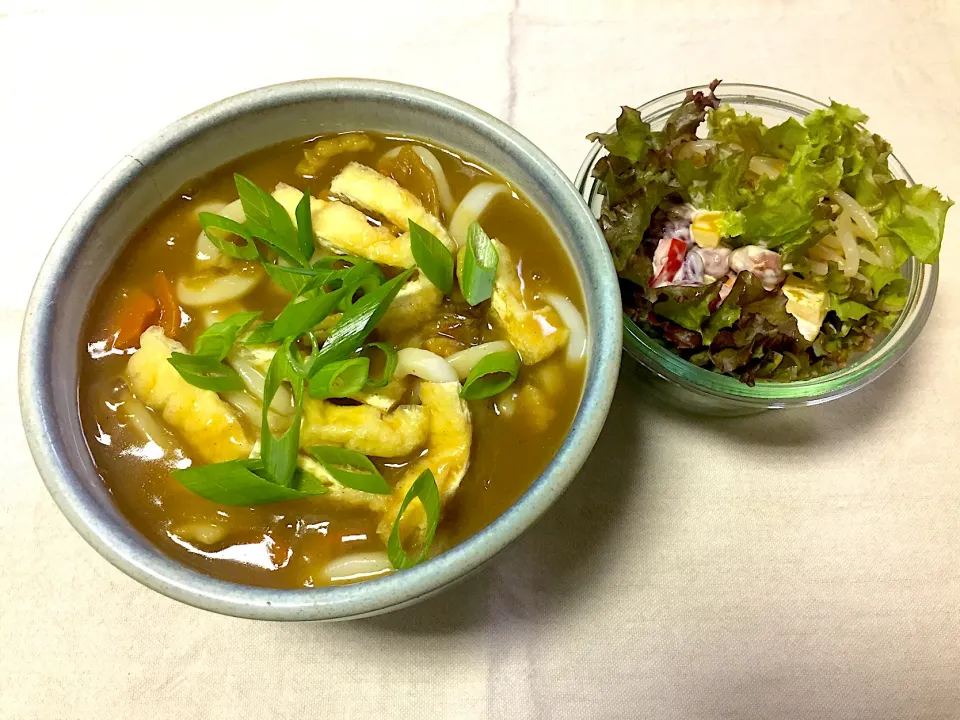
(791, 565)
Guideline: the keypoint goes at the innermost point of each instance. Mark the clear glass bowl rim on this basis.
(671, 367)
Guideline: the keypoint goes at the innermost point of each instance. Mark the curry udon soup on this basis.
(331, 360)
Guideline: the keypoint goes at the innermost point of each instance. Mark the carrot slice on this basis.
(169, 310)
(137, 312)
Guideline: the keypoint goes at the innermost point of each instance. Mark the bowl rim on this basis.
(834, 385)
(140, 559)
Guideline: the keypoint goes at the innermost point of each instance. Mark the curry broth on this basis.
(283, 545)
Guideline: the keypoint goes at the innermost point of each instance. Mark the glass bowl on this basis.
(691, 388)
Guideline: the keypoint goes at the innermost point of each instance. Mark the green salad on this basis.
(763, 253)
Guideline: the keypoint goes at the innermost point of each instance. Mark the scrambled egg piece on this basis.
(345, 230)
(535, 334)
(448, 457)
(204, 420)
(372, 191)
(808, 304)
(705, 228)
(364, 428)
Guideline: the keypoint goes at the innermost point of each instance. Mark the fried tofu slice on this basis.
(323, 150)
(448, 457)
(386, 398)
(346, 231)
(415, 303)
(377, 193)
(536, 334)
(206, 422)
(383, 399)
(364, 428)
(337, 494)
(290, 197)
(341, 495)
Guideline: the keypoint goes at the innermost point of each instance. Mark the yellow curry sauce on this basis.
(285, 545)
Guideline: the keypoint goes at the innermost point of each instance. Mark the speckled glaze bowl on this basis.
(92, 238)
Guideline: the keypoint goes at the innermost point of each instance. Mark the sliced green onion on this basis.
(207, 373)
(298, 364)
(464, 360)
(340, 379)
(330, 262)
(305, 226)
(299, 316)
(493, 374)
(238, 483)
(205, 367)
(217, 227)
(479, 270)
(279, 454)
(358, 322)
(389, 364)
(362, 474)
(260, 335)
(424, 488)
(432, 257)
(364, 276)
(291, 278)
(323, 280)
(267, 220)
(217, 339)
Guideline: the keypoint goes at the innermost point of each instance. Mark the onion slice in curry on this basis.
(254, 380)
(143, 421)
(464, 360)
(436, 169)
(577, 342)
(424, 365)
(472, 206)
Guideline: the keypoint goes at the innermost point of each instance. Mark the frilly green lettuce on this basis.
(749, 334)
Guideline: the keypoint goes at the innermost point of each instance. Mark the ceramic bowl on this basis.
(141, 182)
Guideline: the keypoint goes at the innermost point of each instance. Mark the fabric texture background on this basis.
(789, 565)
